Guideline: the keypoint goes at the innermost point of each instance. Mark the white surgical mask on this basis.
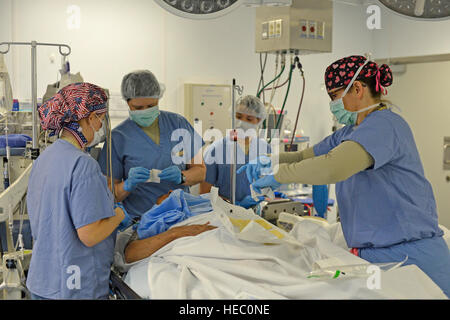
(99, 136)
(244, 125)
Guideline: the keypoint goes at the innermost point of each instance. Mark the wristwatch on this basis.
(183, 178)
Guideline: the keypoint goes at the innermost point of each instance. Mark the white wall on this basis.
(5, 20)
(102, 49)
(405, 37)
(6, 29)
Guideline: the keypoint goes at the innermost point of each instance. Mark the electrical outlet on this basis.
(265, 31)
(278, 28)
(303, 29)
(312, 29)
(320, 30)
(271, 29)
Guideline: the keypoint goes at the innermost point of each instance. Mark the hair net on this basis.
(252, 106)
(141, 84)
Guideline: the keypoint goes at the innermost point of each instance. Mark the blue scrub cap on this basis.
(141, 84)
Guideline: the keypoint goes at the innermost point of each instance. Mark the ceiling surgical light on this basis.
(420, 9)
(210, 9)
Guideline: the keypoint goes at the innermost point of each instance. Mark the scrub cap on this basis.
(141, 84)
(252, 106)
(340, 73)
(71, 104)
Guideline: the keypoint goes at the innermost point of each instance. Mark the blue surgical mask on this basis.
(337, 107)
(145, 117)
(344, 116)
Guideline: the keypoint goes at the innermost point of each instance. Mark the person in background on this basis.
(250, 113)
(71, 210)
(143, 142)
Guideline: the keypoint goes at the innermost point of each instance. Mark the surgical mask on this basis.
(99, 136)
(347, 117)
(337, 107)
(145, 117)
(244, 125)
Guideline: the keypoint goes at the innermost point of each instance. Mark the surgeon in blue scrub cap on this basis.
(150, 139)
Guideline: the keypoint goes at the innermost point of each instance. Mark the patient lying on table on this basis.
(244, 256)
(152, 233)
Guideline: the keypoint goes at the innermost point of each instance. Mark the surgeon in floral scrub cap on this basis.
(386, 205)
(71, 210)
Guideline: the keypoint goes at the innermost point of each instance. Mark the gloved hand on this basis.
(248, 202)
(280, 195)
(264, 182)
(172, 174)
(255, 168)
(136, 175)
(127, 221)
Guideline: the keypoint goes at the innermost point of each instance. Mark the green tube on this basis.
(285, 99)
(279, 75)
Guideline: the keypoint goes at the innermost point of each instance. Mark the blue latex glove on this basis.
(248, 202)
(255, 168)
(280, 195)
(127, 221)
(264, 182)
(136, 175)
(172, 174)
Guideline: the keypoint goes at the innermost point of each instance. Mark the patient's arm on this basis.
(141, 249)
(205, 187)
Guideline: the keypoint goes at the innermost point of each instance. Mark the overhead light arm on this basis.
(420, 8)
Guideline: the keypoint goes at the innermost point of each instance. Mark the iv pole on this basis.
(12, 260)
(34, 44)
(233, 136)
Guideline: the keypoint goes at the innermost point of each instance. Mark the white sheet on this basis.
(231, 262)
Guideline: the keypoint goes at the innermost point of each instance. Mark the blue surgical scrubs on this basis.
(132, 147)
(391, 204)
(218, 157)
(67, 191)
